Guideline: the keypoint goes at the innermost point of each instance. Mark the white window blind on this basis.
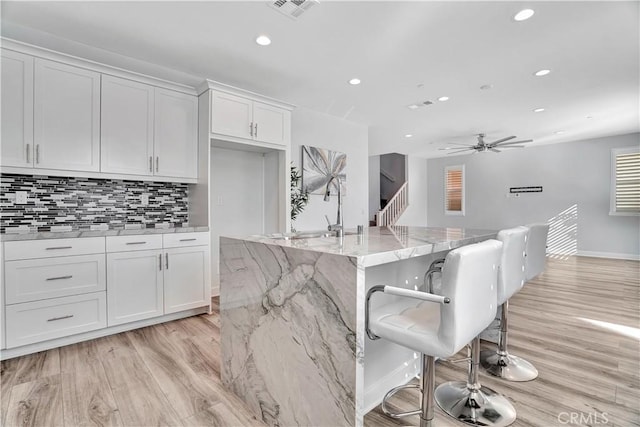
(454, 190)
(625, 181)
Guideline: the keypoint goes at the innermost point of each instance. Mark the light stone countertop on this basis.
(380, 245)
(8, 237)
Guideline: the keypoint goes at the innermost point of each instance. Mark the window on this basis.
(454, 190)
(625, 181)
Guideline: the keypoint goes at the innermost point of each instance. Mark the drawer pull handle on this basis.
(59, 278)
(187, 240)
(136, 243)
(53, 319)
(53, 248)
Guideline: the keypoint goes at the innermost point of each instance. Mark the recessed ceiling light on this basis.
(559, 132)
(354, 81)
(538, 110)
(589, 117)
(443, 98)
(408, 135)
(263, 40)
(523, 15)
(413, 106)
(542, 73)
(486, 87)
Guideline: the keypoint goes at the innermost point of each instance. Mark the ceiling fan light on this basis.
(523, 15)
(538, 110)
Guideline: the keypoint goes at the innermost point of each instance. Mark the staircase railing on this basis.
(396, 206)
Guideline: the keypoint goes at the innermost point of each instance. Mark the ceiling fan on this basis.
(488, 146)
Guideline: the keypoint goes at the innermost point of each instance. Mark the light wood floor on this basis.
(170, 374)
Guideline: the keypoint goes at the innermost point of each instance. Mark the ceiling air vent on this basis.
(293, 8)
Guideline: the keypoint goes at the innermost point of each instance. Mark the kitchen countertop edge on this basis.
(10, 237)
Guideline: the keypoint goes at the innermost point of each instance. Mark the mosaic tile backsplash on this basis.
(83, 202)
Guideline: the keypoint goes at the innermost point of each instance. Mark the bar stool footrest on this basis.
(393, 391)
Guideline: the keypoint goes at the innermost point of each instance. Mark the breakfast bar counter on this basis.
(293, 339)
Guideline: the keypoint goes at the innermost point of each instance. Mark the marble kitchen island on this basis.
(293, 339)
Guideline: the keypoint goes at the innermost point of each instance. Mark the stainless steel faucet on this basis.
(338, 227)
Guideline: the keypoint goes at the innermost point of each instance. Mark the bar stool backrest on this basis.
(470, 280)
(511, 277)
(536, 250)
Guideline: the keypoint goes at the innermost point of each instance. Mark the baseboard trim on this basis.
(614, 255)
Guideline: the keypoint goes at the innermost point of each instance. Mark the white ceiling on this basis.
(404, 53)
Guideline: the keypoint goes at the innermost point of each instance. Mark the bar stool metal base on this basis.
(507, 366)
(476, 407)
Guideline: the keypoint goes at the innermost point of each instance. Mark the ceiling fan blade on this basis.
(494, 150)
(460, 151)
(512, 142)
(511, 146)
(455, 148)
(501, 140)
(454, 143)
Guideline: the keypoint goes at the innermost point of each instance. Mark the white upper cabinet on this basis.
(126, 132)
(175, 134)
(231, 115)
(241, 117)
(66, 117)
(17, 109)
(271, 124)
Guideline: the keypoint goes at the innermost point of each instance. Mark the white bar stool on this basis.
(536, 260)
(515, 257)
(441, 325)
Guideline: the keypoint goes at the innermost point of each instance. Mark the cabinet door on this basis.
(126, 129)
(134, 286)
(176, 134)
(186, 278)
(66, 117)
(17, 109)
(231, 115)
(271, 124)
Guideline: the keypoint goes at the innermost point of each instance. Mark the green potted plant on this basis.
(299, 196)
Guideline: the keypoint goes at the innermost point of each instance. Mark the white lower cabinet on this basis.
(144, 283)
(57, 288)
(135, 289)
(37, 321)
(186, 278)
(42, 278)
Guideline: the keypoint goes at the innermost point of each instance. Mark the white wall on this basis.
(324, 131)
(416, 213)
(571, 174)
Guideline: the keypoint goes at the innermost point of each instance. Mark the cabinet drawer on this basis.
(33, 322)
(138, 242)
(36, 279)
(178, 240)
(30, 249)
